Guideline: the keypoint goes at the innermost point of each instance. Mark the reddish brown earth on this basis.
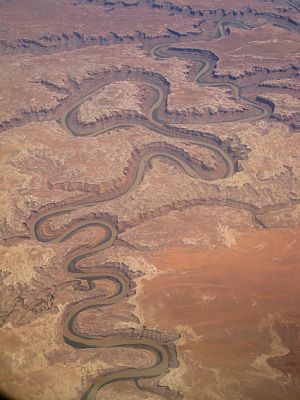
(212, 267)
(234, 308)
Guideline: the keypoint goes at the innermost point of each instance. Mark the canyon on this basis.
(150, 200)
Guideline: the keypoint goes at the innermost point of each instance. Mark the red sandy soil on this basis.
(229, 302)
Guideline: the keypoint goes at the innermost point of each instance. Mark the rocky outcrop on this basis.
(259, 74)
(214, 202)
(122, 184)
(189, 11)
(266, 101)
(49, 43)
(73, 91)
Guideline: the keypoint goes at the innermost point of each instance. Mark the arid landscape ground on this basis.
(150, 199)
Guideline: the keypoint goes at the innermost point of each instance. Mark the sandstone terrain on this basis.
(150, 200)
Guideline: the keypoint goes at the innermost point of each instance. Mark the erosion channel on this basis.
(227, 165)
